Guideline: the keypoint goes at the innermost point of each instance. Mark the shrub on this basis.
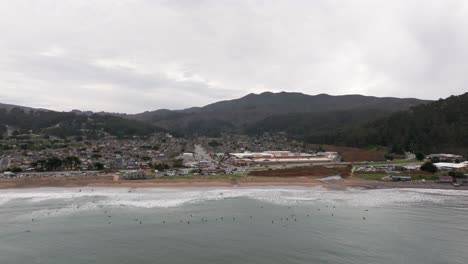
(214, 143)
(16, 169)
(98, 166)
(161, 167)
(456, 174)
(178, 163)
(429, 167)
(419, 156)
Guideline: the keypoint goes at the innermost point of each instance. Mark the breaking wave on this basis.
(73, 199)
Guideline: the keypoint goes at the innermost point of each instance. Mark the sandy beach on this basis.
(107, 181)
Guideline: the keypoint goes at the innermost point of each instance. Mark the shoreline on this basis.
(249, 181)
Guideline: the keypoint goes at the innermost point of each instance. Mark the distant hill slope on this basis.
(296, 114)
(304, 124)
(74, 123)
(437, 126)
(283, 103)
(8, 107)
(242, 115)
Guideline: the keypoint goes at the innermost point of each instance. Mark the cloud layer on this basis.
(136, 55)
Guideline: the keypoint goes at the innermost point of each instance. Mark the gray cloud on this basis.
(136, 55)
(73, 71)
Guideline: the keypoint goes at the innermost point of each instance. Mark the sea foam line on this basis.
(173, 197)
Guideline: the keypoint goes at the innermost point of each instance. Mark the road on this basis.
(410, 156)
(200, 154)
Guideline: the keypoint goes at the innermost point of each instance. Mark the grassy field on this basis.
(432, 177)
(178, 177)
(369, 176)
(259, 169)
(392, 162)
(220, 176)
(378, 176)
(377, 148)
(227, 176)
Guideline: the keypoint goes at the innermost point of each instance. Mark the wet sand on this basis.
(204, 181)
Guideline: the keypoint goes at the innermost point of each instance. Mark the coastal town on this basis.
(162, 154)
(165, 156)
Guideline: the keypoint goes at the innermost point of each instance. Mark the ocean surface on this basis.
(233, 225)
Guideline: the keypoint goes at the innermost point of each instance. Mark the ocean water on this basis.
(233, 225)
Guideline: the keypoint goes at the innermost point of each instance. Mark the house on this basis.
(241, 162)
(134, 175)
(212, 171)
(170, 173)
(446, 179)
(203, 164)
(401, 178)
(184, 171)
(461, 180)
(445, 157)
(187, 154)
(9, 174)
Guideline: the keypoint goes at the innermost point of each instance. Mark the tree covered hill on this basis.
(295, 113)
(437, 126)
(65, 124)
(256, 113)
(306, 124)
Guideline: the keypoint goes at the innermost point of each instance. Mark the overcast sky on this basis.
(136, 55)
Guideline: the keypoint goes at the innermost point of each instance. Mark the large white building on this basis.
(283, 157)
(444, 156)
(451, 166)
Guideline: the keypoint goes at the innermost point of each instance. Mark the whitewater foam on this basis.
(74, 200)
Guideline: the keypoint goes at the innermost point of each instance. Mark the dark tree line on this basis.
(436, 126)
(51, 164)
(64, 124)
(67, 163)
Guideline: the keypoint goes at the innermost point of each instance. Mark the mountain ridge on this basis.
(253, 111)
(215, 104)
(242, 113)
(251, 96)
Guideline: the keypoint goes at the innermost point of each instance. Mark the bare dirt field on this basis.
(107, 181)
(374, 184)
(201, 181)
(309, 171)
(355, 154)
(413, 172)
(305, 181)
